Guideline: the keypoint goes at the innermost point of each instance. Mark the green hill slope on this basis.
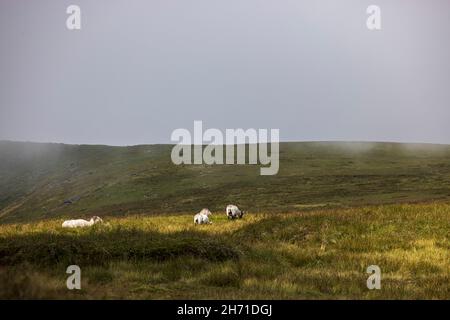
(39, 181)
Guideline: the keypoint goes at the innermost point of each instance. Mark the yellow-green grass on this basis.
(315, 254)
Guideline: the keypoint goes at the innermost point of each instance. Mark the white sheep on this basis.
(234, 212)
(81, 223)
(202, 217)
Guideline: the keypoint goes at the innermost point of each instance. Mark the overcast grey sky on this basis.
(137, 70)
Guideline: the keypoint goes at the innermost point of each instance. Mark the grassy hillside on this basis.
(44, 181)
(320, 254)
(311, 231)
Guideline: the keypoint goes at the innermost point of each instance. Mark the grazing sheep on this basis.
(81, 223)
(202, 217)
(234, 212)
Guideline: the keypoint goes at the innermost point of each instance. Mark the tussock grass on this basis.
(314, 254)
(101, 245)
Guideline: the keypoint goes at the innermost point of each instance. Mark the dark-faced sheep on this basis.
(234, 212)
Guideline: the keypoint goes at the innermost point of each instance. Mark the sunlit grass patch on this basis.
(309, 255)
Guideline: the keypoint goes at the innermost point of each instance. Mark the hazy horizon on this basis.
(285, 141)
